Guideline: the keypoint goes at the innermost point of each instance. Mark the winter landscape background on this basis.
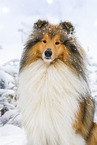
(16, 21)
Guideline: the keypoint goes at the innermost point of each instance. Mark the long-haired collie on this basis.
(54, 96)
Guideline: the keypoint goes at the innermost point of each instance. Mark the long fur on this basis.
(54, 96)
(49, 101)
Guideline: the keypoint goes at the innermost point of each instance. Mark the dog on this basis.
(54, 96)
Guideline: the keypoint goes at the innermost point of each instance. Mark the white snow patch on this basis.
(12, 135)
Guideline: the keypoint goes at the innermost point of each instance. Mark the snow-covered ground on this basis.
(12, 135)
(11, 132)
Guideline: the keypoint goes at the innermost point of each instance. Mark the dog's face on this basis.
(52, 43)
(49, 50)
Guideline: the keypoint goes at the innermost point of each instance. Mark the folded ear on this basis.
(68, 27)
(40, 23)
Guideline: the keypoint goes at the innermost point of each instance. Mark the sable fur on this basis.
(84, 122)
(54, 97)
(67, 39)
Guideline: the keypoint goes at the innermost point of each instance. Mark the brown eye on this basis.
(44, 41)
(57, 43)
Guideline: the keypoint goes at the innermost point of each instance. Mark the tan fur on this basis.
(84, 120)
(59, 51)
(67, 68)
(92, 138)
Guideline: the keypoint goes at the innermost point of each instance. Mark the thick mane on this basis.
(49, 98)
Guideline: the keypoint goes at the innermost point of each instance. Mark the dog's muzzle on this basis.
(48, 55)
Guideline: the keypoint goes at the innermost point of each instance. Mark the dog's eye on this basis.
(57, 43)
(44, 41)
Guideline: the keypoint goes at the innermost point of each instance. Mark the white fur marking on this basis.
(48, 100)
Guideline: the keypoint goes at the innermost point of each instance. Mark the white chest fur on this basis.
(48, 98)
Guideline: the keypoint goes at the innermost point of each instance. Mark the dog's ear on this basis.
(68, 27)
(40, 23)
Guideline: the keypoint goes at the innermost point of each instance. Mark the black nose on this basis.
(48, 53)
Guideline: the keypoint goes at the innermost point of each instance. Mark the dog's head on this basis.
(52, 43)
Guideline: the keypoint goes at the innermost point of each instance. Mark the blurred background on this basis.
(17, 18)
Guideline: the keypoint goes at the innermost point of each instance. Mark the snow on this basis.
(12, 135)
(6, 78)
(11, 117)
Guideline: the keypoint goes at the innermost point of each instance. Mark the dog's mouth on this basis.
(48, 59)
